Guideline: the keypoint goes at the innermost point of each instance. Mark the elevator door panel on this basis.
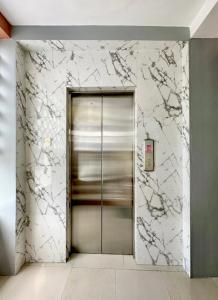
(86, 174)
(102, 174)
(117, 174)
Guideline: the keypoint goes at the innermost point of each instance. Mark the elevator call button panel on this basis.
(149, 155)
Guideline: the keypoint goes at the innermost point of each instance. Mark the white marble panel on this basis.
(21, 220)
(156, 70)
(186, 162)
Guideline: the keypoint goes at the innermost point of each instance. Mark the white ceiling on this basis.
(209, 28)
(101, 12)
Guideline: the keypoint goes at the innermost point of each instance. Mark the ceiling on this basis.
(101, 12)
(209, 28)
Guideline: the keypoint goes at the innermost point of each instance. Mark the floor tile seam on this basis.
(60, 297)
(125, 269)
(103, 267)
(68, 265)
(167, 287)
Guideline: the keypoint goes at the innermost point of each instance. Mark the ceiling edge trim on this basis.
(100, 33)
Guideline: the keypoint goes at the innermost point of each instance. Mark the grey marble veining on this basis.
(21, 217)
(186, 160)
(159, 73)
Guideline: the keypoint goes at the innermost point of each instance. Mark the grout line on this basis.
(168, 288)
(60, 297)
(72, 266)
(126, 269)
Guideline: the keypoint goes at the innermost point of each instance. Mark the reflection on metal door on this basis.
(102, 173)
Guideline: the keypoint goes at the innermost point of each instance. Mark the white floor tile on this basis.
(102, 261)
(35, 283)
(90, 284)
(181, 287)
(137, 285)
(50, 265)
(3, 280)
(104, 277)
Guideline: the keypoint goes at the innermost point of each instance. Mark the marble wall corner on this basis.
(21, 218)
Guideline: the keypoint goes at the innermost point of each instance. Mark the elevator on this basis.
(101, 172)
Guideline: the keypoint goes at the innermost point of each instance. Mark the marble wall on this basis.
(20, 159)
(186, 161)
(158, 71)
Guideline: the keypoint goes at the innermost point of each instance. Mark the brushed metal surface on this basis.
(86, 174)
(102, 174)
(117, 174)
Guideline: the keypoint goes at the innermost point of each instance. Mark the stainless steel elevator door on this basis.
(102, 174)
(117, 174)
(86, 173)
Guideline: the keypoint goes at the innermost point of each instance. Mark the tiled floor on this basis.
(104, 277)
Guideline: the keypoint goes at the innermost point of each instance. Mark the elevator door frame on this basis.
(101, 92)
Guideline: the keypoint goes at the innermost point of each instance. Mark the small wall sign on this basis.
(149, 155)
